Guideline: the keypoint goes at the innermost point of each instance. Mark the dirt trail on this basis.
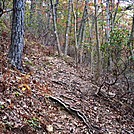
(27, 108)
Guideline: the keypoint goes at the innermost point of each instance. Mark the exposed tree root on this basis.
(77, 113)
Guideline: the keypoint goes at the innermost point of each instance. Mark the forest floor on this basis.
(56, 97)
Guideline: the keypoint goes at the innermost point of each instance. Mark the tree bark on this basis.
(68, 26)
(115, 14)
(108, 21)
(55, 28)
(108, 30)
(32, 10)
(75, 36)
(17, 35)
(131, 39)
(81, 36)
(82, 44)
(82, 25)
(91, 43)
(97, 40)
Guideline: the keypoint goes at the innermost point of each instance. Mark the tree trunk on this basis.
(108, 21)
(131, 40)
(32, 11)
(17, 35)
(68, 26)
(55, 6)
(82, 25)
(48, 14)
(115, 14)
(75, 36)
(108, 29)
(55, 28)
(92, 46)
(82, 44)
(97, 40)
(81, 37)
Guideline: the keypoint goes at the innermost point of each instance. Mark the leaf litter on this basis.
(27, 107)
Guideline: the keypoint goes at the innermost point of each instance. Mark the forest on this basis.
(66, 67)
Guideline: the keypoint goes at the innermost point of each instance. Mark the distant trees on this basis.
(92, 32)
(17, 35)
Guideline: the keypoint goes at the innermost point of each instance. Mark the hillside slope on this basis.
(54, 96)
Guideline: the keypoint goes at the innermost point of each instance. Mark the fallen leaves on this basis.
(25, 105)
(24, 87)
(49, 128)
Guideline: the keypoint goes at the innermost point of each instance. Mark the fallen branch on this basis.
(112, 100)
(75, 112)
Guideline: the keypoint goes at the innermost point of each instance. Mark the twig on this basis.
(111, 100)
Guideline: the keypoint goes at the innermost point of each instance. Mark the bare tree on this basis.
(81, 37)
(75, 35)
(55, 28)
(68, 26)
(97, 39)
